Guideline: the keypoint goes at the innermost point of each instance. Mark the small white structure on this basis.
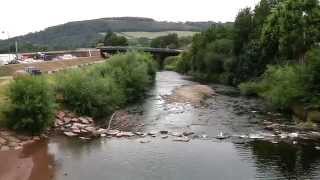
(6, 58)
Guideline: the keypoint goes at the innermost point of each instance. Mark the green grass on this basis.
(152, 35)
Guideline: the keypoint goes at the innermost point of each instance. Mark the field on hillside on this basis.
(152, 35)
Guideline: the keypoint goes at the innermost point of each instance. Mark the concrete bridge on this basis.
(159, 53)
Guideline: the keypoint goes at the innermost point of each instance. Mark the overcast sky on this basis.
(23, 16)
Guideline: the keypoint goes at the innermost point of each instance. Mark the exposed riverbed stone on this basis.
(143, 141)
(113, 132)
(193, 94)
(181, 139)
(2, 141)
(187, 133)
(164, 132)
(152, 133)
(177, 134)
(164, 136)
(125, 134)
(5, 148)
(70, 134)
(272, 127)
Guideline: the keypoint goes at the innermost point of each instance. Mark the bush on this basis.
(103, 88)
(312, 76)
(133, 72)
(184, 63)
(32, 104)
(90, 95)
(282, 85)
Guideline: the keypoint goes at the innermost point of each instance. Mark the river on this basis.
(204, 157)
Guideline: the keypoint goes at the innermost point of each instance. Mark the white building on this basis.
(6, 58)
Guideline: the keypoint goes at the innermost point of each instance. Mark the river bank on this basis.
(248, 149)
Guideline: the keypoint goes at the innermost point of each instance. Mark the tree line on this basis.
(278, 39)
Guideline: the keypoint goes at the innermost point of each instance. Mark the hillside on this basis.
(86, 33)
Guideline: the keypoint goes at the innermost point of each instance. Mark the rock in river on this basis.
(152, 133)
(164, 136)
(143, 141)
(125, 134)
(113, 132)
(222, 136)
(176, 134)
(2, 140)
(187, 133)
(181, 139)
(70, 134)
(5, 148)
(164, 132)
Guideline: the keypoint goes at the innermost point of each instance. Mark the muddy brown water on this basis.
(204, 157)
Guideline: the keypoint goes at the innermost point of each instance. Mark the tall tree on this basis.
(243, 27)
(293, 28)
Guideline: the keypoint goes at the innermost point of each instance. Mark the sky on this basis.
(18, 17)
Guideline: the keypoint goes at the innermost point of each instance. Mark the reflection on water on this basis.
(285, 160)
(200, 159)
(162, 159)
(31, 163)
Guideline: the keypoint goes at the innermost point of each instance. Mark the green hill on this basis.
(86, 33)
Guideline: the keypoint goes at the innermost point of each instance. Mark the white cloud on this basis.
(23, 16)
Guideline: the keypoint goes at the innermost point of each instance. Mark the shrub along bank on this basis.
(286, 85)
(96, 91)
(103, 88)
(32, 104)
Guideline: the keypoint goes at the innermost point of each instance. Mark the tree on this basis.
(261, 12)
(169, 41)
(251, 60)
(111, 39)
(292, 29)
(243, 27)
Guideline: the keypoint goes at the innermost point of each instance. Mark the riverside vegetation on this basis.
(271, 51)
(95, 91)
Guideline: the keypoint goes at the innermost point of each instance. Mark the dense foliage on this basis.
(111, 39)
(96, 91)
(103, 88)
(285, 85)
(132, 71)
(169, 41)
(274, 48)
(32, 104)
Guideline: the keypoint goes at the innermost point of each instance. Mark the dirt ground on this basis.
(9, 70)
